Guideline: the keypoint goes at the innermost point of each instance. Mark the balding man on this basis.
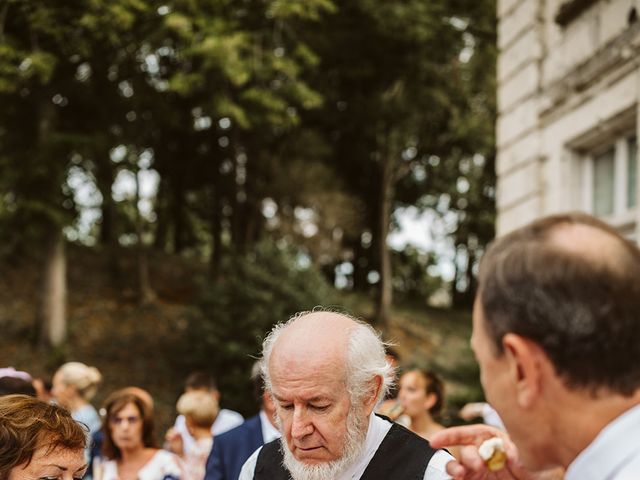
(326, 373)
(556, 331)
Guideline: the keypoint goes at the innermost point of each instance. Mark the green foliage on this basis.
(256, 291)
(311, 108)
(411, 278)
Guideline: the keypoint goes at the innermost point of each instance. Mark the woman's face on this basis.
(126, 427)
(413, 394)
(58, 464)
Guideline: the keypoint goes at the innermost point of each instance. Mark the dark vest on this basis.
(402, 455)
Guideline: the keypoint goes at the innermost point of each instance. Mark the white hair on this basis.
(365, 361)
(86, 379)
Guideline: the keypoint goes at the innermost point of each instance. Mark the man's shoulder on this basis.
(226, 421)
(248, 427)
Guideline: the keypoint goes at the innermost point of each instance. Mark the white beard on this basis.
(353, 445)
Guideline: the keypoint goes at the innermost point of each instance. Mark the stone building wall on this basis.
(568, 85)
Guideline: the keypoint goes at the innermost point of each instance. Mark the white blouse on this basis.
(162, 466)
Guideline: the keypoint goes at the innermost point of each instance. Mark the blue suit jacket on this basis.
(233, 448)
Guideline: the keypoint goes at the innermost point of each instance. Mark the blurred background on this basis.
(177, 176)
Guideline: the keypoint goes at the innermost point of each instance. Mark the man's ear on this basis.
(370, 400)
(526, 369)
(216, 395)
(267, 402)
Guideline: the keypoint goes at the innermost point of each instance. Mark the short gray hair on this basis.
(366, 357)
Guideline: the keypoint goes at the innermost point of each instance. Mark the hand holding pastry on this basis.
(486, 453)
(493, 454)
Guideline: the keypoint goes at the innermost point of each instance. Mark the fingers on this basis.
(456, 470)
(470, 458)
(467, 435)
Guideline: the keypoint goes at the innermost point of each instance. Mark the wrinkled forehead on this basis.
(299, 364)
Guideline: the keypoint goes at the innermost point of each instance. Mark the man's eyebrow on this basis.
(317, 398)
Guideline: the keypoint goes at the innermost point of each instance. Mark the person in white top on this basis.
(232, 449)
(225, 420)
(556, 332)
(129, 443)
(326, 372)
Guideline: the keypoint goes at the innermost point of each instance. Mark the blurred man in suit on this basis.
(233, 448)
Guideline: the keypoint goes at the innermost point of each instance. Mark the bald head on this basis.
(570, 283)
(327, 342)
(318, 338)
(602, 248)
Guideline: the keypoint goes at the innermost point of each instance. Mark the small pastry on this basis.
(493, 454)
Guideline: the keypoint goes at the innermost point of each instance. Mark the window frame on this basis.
(623, 216)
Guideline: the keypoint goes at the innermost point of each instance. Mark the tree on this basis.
(43, 48)
(397, 91)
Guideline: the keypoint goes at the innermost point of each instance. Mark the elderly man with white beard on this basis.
(326, 373)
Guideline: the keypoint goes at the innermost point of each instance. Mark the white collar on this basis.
(616, 444)
(269, 432)
(377, 430)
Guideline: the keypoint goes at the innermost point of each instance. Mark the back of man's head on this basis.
(13, 385)
(570, 283)
(200, 381)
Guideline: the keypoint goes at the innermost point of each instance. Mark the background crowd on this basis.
(123, 441)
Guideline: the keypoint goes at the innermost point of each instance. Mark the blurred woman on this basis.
(39, 440)
(129, 443)
(421, 395)
(74, 385)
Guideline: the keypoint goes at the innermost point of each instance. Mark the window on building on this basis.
(603, 183)
(610, 184)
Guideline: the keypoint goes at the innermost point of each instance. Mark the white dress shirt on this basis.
(614, 454)
(269, 432)
(378, 429)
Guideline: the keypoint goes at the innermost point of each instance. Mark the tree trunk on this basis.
(178, 215)
(53, 293)
(216, 232)
(160, 238)
(383, 305)
(146, 293)
(361, 265)
(52, 313)
(104, 180)
(108, 235)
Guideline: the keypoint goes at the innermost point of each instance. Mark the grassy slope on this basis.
(132, 345)
(434, 339)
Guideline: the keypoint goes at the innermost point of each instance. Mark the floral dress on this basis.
(162, 466)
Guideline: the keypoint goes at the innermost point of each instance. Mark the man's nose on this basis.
(301, 425)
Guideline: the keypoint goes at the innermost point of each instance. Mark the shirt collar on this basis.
(376, 431)
(612, 447)
(269, 432)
